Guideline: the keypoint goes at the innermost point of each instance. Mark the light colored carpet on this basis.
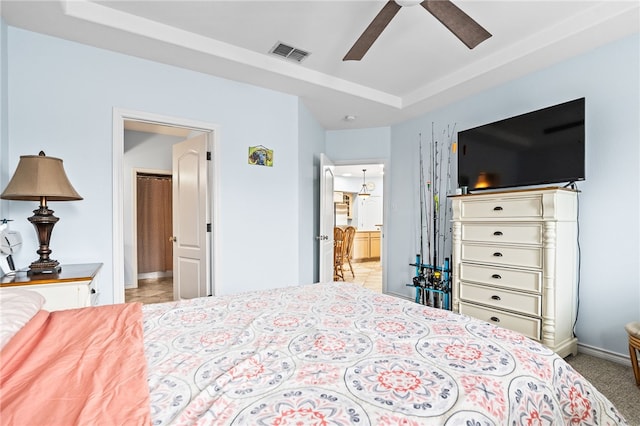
(613, 380)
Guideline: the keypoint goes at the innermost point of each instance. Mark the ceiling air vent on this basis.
(288, 52)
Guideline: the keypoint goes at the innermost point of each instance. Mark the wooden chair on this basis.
(338, 254)
(349, 236)
(633, 329)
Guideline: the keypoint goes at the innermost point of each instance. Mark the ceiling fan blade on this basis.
(375, 28)
(458, 22)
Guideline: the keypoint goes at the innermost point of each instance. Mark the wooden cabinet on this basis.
(374, 245)
(366, 245)
(76, 286)
(515, 262)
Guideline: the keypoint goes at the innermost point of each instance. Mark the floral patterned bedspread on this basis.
(339, 354)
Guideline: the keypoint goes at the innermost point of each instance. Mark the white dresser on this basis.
(76, 286)
(515, 262)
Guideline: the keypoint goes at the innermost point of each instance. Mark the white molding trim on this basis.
(90, 11)
(604, 354)
(119, 117)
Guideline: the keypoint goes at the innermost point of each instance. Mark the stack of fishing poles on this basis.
(432, 278)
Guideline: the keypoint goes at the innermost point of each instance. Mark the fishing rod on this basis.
(436, 183)
(450, 151)
(443, 183)
(420, 189)
(428, 209)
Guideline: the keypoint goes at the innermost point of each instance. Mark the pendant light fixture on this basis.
(364, 191)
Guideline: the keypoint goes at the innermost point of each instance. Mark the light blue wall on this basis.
(62, 98)
(311, 143)
(359, 144)
(4, 146)
(609, 200)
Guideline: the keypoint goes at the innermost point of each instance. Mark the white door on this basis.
(325, 239)
(191, 242)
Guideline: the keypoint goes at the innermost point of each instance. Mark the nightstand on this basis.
(76, 286)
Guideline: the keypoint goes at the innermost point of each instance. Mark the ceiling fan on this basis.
(458, 22)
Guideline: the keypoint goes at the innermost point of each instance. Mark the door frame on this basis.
(119, 117)
(386, 206)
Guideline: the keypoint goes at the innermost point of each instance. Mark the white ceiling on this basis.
(355, 171)
(416, 65)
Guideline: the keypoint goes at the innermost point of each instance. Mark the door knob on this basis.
(172, 239)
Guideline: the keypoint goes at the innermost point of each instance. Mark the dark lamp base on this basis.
(44, 220)
(49, 267)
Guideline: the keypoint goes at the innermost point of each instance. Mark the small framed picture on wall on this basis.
(260, 156)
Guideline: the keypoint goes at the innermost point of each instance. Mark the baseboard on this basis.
(153, 275)
(149, 275)
(400, 296)
(604, 354)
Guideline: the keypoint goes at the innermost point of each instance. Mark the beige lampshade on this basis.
(40, 176)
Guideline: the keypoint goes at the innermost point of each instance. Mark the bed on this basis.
(326, 354)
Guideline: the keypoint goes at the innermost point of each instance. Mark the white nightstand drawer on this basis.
(525, 303)
(64, 295)
(502, 277)
(524, 207)
(503, 233)
(530, 257)
(75, 286)
(530, 327)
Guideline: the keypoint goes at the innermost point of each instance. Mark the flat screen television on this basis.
(540, 147)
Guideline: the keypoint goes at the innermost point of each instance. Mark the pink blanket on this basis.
(80, 366)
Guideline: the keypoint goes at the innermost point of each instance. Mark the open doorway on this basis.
(147, 125)
(152, 232)
(359, 202)
(148, 236)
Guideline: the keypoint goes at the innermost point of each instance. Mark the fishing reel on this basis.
(420, 281)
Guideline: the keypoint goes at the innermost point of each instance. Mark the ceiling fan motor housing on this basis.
(405, 3)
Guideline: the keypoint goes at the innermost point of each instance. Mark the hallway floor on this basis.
(157, 290)
(369, 274)
(151, 290)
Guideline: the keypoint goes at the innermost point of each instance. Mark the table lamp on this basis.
(41, 178)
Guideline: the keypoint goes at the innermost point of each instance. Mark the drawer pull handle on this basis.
(497, 233)
(495, 319)
(497, 208)
(497, 254)
(496, 276)
(494, 297)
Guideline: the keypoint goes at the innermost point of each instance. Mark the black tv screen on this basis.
(540, 147)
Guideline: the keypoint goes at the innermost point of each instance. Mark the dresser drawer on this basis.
(503, 277)
(530, 327)
(503, 233)
(524, 207)
(530, 257)
(525, 303)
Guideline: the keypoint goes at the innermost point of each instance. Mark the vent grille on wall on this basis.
(288, 52)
